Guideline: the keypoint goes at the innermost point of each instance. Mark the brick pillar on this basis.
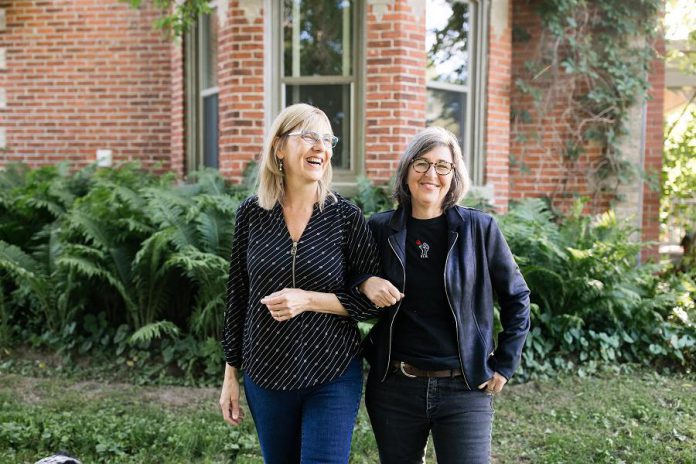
(3, 78)
(395, 93)
(497, 138)
(241, 84)
(178, 144)
(654, 142)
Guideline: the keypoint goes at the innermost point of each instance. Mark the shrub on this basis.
(591, 301)
(119, 261)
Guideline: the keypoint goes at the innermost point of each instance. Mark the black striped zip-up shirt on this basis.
(311, 348)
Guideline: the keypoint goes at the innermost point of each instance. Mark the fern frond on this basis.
(153, 331)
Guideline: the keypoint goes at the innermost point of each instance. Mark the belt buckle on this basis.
(401, 367)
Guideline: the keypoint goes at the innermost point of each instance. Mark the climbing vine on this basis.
(589, 68)
(177, 16)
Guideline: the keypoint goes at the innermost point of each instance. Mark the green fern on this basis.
(154, 330)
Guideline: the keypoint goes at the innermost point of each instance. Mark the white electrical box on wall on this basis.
(104, 158)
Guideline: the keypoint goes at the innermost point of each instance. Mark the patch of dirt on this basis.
(171, 396)
(29, 390)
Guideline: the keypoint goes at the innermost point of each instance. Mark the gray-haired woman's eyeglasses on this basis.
(422, 165)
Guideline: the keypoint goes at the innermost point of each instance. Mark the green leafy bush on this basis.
(121, 245)
(592, 302)
(121, 263)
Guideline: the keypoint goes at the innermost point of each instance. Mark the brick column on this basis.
(3, 78)
(178, 130)
(497, 137)
(654, 143)
(395, 93)
(241, 84)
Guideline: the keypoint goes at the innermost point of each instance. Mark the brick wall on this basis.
(83, 76)
(395, 93)
(653, 150)
(538, 166)
(178, 116)
(241, 82)
(497, 137)
(540, 170)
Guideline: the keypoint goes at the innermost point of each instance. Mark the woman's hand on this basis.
(381, 292)
(287, 303)
(494, 385)
(229, 397)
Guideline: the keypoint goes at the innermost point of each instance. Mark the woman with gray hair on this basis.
(290, 321)
(434, 366)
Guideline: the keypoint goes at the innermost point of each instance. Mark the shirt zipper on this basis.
(391, 324)
(293, 252)
(456, 324)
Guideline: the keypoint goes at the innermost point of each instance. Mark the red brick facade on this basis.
(241, 82)
(497, 137)
(654, 137)
(93, 74)
(395, 84)
(178, 121)
(83, 76)
(536, 147)
(539, 166)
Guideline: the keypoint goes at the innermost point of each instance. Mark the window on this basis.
(201, 57)
(454, 45)
(317, 65)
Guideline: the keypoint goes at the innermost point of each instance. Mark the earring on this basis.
(280, 165)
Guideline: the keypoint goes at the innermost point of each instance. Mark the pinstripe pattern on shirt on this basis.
(311, 348)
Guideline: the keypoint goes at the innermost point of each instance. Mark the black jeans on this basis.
(403, 411)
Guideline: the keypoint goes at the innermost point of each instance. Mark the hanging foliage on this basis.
(177, 15)
(590, 68)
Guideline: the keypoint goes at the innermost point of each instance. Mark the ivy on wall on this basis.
(589, 68)
(177, 15)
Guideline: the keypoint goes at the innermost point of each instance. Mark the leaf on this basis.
(153, 331)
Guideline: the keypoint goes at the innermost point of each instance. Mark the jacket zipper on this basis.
(293, 252)
(391, 324)
(456, 323)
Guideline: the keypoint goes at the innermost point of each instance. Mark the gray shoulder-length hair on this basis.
(271, 187)
(422, 143)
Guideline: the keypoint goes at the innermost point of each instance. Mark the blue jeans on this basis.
(311, 425)
(403, 411)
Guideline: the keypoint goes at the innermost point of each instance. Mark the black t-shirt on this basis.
(424, 330)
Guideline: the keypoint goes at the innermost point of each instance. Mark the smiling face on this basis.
(429, 189)
(304, 159)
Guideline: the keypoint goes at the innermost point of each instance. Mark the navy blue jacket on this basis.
(479, 264)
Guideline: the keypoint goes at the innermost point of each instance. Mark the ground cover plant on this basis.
(632, 416)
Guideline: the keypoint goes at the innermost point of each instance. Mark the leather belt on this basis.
(412, 371)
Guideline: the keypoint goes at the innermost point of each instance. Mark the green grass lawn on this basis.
(640, 417)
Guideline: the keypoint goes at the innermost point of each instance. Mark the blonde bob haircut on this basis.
(271, 179)
(421, 144)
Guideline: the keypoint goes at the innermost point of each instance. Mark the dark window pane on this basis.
(447, 109)
(446, 41)
(210, 131)
(318, 37)
(334, 100)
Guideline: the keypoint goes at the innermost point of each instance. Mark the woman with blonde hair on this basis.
(291, 320)
(434, 366)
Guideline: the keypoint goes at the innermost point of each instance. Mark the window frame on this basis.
(341, 176)
(195, 94)
(473, 144)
